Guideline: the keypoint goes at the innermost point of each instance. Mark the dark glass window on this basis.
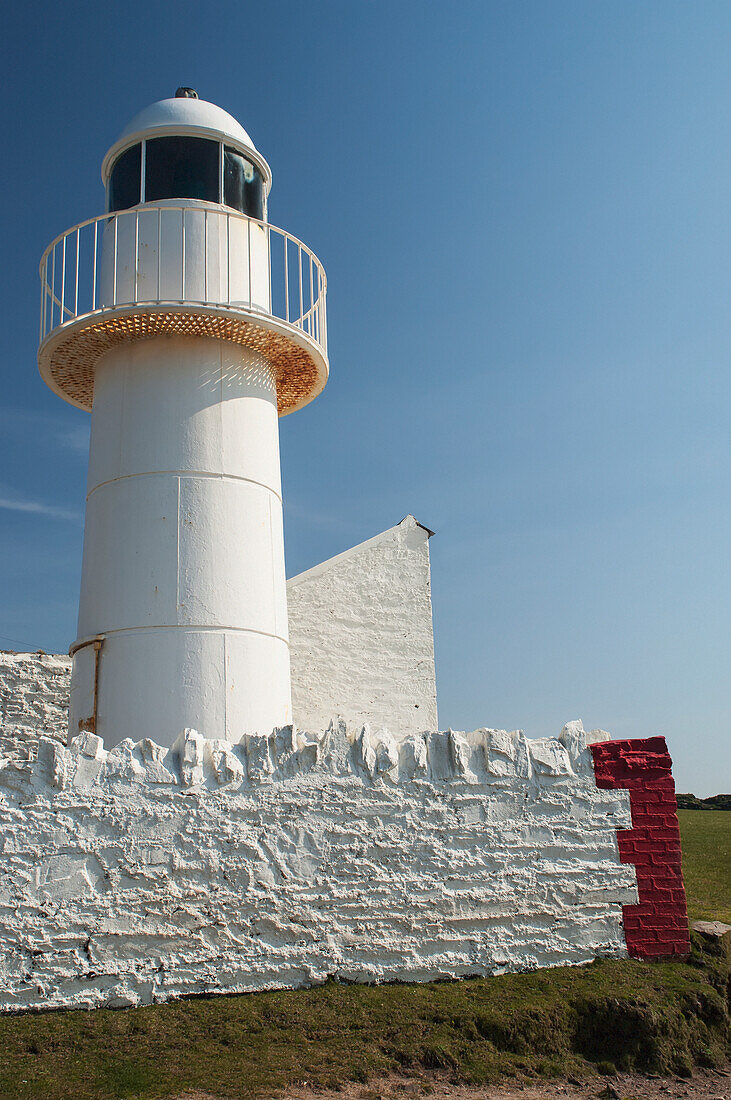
(243, 187)
(181, 168)
(124, 182)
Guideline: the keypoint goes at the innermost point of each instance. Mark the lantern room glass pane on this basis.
(182, 168)
(243, 187)
(124, 182)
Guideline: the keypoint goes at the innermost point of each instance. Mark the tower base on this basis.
(183, 609)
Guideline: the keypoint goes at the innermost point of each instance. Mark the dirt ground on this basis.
(704, 1085)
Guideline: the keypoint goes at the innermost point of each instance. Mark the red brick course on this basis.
(658, 926)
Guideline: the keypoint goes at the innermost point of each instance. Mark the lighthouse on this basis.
(186, 324)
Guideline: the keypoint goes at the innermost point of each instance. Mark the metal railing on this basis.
(175, 255)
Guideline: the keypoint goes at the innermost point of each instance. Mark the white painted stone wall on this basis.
(145, 873)
(361, 638)
(34, 699)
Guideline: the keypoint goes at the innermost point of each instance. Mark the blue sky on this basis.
(523, 212)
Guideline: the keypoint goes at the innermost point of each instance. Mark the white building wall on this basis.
(145, 873)
(361, 637)
(360, 628)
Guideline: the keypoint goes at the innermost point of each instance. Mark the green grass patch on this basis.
(662, 1018)
(706, 843)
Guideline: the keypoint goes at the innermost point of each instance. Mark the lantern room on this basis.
(185, 148)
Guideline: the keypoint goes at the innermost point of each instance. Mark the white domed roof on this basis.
(182, 115)
(187, 114)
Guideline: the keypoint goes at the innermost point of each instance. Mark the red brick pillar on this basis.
(658, 926)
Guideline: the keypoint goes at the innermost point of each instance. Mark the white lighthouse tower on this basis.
(186, 324)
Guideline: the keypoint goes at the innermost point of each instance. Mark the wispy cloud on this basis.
(313, 516)
(76, 439)
(38, 508)
(73, 437)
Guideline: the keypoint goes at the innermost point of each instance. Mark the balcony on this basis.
(182, 267)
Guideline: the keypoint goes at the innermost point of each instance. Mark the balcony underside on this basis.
(67, 357)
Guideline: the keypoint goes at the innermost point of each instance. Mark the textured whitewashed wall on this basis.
(34, 699)
(361, 640)
(146, 873)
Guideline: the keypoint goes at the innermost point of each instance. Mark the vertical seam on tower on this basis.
(274, 583)
(177, 557)
(221, 449)
(122, 418)
(221, 444)
(225, 688)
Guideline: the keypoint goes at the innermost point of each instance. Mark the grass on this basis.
(706, 843)
(662, 1018)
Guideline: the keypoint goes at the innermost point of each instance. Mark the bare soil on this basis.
(711, 1084)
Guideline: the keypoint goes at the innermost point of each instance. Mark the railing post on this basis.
(312, 300)
(63, 278)
(182, 253)
(316, 314)
(93, 277)
(53, 284)
(159, 249)
(228, 259)
(205, 255)
(76, 291)
(269, 268)
(41, 311)
(286, 279)
(248, 233)
(114, 273)
(45, 300)
(137, 251)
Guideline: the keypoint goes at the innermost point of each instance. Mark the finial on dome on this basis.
(186, 93)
